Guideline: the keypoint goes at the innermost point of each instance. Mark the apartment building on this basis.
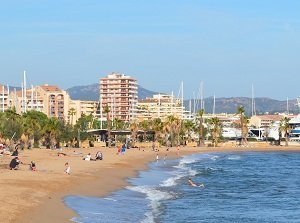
(27, 100)
(77, 108)
(161, 106)
(55, 100)
(120, 93)
(4, 99)
(264, 121)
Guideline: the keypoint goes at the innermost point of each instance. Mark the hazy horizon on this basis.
(229, 45)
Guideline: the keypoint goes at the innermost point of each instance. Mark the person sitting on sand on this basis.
(61, 154)
(99, 156)
(67, 168)
(193, 184)
(14, 163)
(87, 157)
(32, 166)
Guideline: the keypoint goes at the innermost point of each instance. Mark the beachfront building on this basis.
(264, 121)
(56, 101)
(78, 108)
(161, 106)
(119, 93)
(24, 101)
(4, 99)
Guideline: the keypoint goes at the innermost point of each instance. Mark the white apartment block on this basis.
(4, 99)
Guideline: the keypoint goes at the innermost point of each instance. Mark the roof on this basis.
(49, 88)
(270, 117)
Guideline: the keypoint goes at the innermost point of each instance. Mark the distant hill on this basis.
(230, 105)
(91, 92)
(85, 93)
(223, 105)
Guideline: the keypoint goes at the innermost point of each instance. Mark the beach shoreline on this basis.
(38, 197)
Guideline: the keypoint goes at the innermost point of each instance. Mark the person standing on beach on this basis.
(67, 168)
(153, 146)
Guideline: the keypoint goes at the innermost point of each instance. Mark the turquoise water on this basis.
(239, 187)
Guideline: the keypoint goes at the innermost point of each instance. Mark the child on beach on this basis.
(67, 168)
(32, 166)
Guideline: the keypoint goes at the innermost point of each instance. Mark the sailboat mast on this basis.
(182, 100)
(287, 105)
(25, 96)
(3, 98)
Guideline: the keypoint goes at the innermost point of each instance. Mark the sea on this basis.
(238, 187)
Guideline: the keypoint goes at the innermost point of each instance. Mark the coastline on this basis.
(39, 195)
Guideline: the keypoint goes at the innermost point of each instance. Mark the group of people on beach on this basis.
(15, 162)
(98, 156)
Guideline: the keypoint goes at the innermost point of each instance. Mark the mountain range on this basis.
(91, 92)
(222, 105)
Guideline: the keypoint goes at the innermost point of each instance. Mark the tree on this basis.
(134, 127)
(157, 127)
(216, 129)
(72, 112)
(285, 127)
(201, 136)
(188, 127)
(168, 128)
(145, 126)
(241, 112)
(33, 123)
(107, 111)
(52, 131)
(11, 125)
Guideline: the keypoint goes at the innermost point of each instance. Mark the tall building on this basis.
(120, 93)
(4, 100)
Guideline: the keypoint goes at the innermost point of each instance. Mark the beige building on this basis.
(77, 108)
(264, 121)
(120, 93)
(50, 100)
(33, 100)
(161, 106)
(4, 99)
(56, 101)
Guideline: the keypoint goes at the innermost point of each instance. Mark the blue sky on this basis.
(227, 44)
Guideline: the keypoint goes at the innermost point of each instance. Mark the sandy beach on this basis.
(31, 197)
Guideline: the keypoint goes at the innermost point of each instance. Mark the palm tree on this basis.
(171, 127)
(216, 129)
(188, 127)
(201, 137)
(157, 127)
(52, 131)
(134, 127)
(71, 113)
(107, 111)
(241, 112)
(145, 126)
(285, 127)
(177, 127)
(12, 126)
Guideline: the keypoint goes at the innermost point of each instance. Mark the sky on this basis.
(230, 45)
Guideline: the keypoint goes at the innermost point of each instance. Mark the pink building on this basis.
(120, 93)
